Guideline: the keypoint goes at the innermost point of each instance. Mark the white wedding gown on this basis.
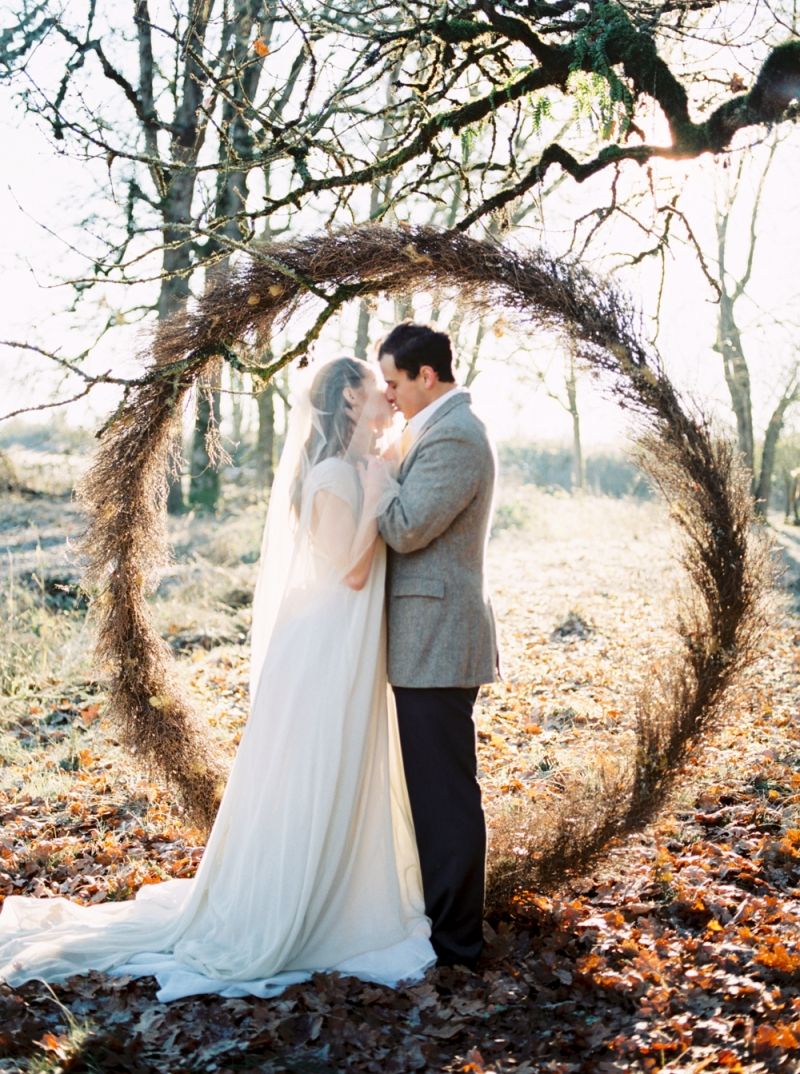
(311, 863)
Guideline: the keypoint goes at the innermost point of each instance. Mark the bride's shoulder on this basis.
(332, 467)
(333, 464)
(333, 474)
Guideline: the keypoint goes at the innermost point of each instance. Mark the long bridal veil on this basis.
(311, 863)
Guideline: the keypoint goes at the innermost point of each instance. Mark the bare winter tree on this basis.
(236, 142)
(470, 104)
(174, 119)
(732, 288)
(488, 67)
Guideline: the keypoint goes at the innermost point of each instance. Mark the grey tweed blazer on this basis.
(440, 623)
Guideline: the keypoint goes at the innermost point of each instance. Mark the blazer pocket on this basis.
(418, 587)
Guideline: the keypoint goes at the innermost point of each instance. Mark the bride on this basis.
(311, 863)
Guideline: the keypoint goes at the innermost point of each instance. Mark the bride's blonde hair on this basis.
(331, 424)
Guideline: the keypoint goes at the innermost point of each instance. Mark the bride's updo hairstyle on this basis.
(331, 424)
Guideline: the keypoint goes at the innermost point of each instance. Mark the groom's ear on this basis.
(428, 374)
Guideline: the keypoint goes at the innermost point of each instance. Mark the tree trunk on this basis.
(578, 471)
(791, 484)
(265, 443)
(403, 309)
(175, 189)
(186, 142)
(362, 330)
(763, 487)
(176, 504)
(771, 438)
(236, 382)
(472, 370)
(174, 291)
(204, 478)
(737, 377)
(378, 197)
(231, 199)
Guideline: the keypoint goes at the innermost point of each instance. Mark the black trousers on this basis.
(437, 736)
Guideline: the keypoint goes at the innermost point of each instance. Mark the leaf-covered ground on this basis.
(680, 951)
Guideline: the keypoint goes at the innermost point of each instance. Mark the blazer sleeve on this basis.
(441, 481)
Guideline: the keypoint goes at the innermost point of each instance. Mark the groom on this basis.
(441, 630)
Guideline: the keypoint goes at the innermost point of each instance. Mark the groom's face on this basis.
(402, 393)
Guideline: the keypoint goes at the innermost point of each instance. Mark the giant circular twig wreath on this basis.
(721, 616)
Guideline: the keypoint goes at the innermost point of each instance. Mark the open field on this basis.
(678, 951)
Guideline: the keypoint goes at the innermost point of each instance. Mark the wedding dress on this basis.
(311, 864)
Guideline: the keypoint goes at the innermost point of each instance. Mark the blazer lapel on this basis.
(453, 400)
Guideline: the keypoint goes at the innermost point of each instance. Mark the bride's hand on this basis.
(392, 454)
(374, 474)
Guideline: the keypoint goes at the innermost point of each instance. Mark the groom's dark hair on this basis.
(415, 345)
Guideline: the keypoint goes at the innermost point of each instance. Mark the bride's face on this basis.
(367, 403)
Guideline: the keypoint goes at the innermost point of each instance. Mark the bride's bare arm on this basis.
(357, 577)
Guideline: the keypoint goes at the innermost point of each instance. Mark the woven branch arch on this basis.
(727, 566)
